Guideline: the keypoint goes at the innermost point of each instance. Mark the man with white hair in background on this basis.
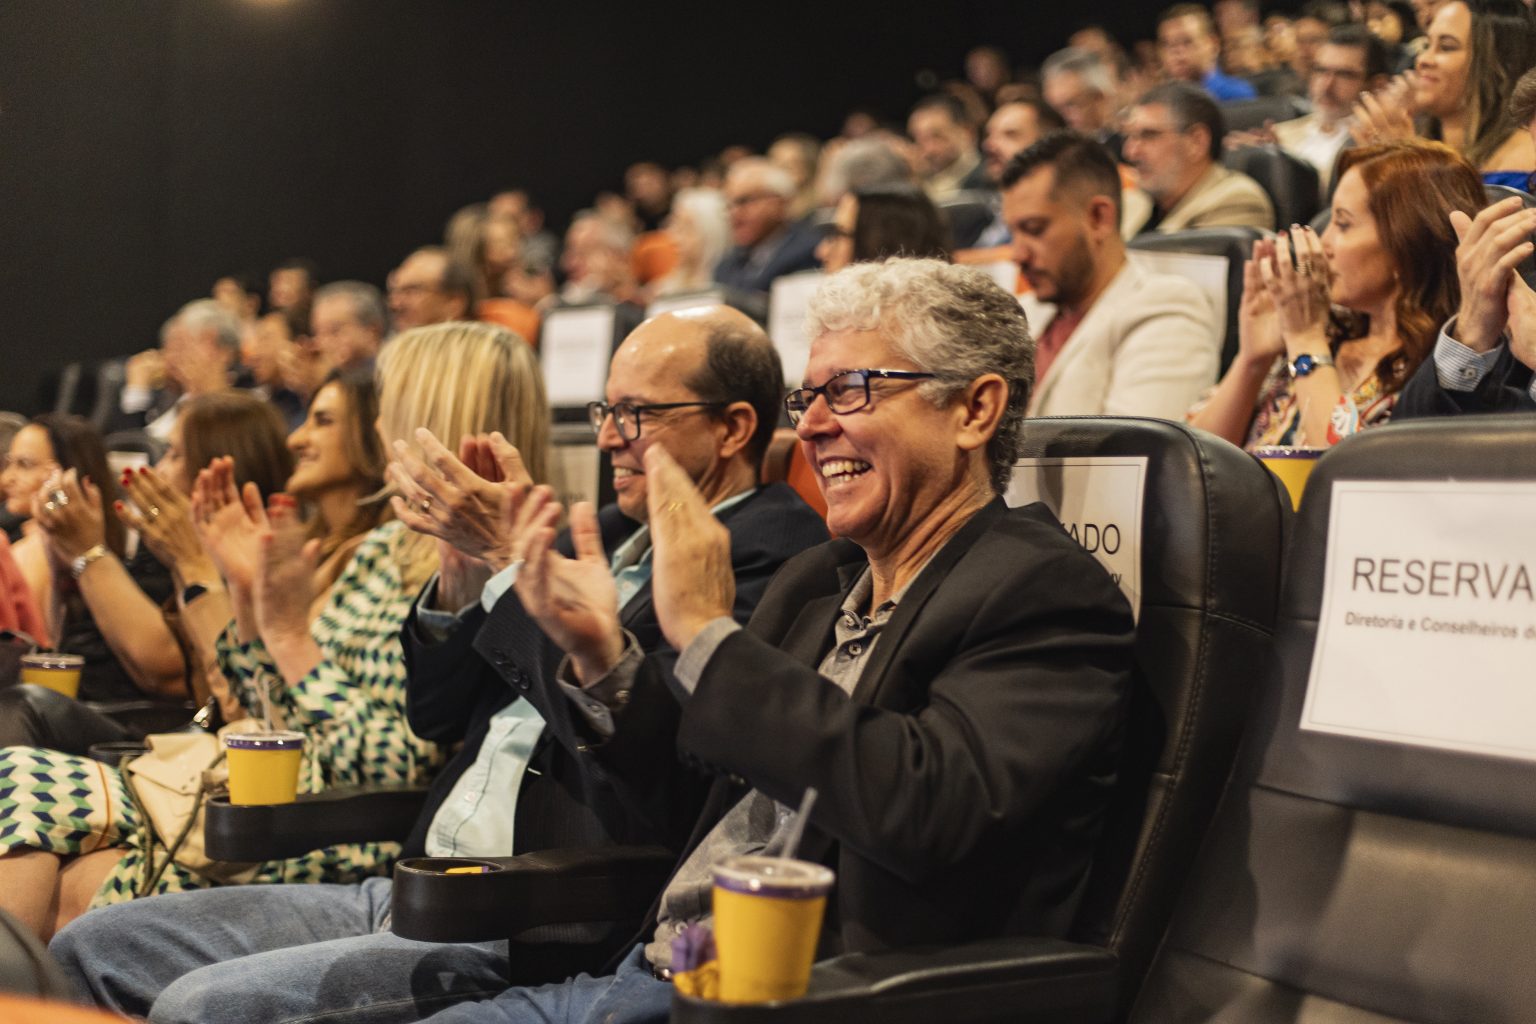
(198, 349)
(767, 242)
(1084, 89)
(348, 322)
(596, 261)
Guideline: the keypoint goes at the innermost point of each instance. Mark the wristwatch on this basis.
(78, 566)
(1304, 364)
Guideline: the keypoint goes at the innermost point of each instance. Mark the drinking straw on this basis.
(797, 825)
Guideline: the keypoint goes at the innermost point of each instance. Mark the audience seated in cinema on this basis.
(767, 244)
(241, 295)
(649, 192)
(1013, 128)
(596, 262)
(488, 245)
(120, 614)
(797, 154)
(1110, 337)
(1352, 61)
(1484, 357)
(1304, 377)
(1084, 89)
(58, 472)
(429, 288)
(278, 369)
(946, 142)
(875, 223)
(1173, 138)
(1000, 678)
(1189, 47)
(700, 229)
(987, 70)
(337, 677)
(348, 322)
(326, 950)
(540, 248)
(291, 284)
(1464, 77)
(872, 160)
(199, 347)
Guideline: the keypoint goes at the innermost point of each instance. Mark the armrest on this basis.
(514, 894)
(147, 716)
(1034, 980)
(278, 831)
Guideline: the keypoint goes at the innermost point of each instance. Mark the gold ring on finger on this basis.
(426, 504)
(154, 511)
(672, 506)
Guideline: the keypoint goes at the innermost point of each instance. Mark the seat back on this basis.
(785, 463)
(969, 214)
(1248, 115)
(1233, 244)
(1213, 527)
(1354, 880)
(1292, 183)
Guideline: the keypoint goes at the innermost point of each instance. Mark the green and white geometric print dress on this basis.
(350, 708)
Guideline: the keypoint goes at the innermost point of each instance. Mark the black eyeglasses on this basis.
(847, 392)
(626, 415)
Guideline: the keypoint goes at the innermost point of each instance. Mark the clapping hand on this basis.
(1386, 116)
(574, 600)
(692, 582)
(1489, 248)
(68, 509)
(470, 502)
(229, 522)
(285, 574)
(162, 515)
(1300, 290)
(1258, 326)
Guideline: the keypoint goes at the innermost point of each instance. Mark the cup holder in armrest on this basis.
(434, 903)
(360, 814)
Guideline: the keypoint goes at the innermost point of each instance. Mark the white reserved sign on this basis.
(1098, 500)
(574, 347)
(1427, 634)
(787, 303)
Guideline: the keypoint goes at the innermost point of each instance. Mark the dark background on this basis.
(148, 146)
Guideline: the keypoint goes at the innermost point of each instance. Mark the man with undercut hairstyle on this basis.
(1111, 338)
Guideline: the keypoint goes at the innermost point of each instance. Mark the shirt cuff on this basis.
(497, 586)
(598, 702)
(690, 664)
(1457, 367)
(433, 624)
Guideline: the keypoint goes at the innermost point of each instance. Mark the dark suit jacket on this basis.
(649, 801)
(793, 250)
(963, 784)
(1506, 388)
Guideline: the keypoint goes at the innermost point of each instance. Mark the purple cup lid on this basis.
(1275, 451)
(774, 876)
(264, 741)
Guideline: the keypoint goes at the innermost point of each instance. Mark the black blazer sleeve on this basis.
(1506, 388)
(444, 681)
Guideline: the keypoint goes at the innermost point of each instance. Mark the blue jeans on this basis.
(271, 953)
(631, 996)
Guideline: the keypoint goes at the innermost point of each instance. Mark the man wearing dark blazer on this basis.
(951, 677)
(767, 242)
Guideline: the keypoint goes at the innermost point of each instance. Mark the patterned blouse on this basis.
(1278, 414)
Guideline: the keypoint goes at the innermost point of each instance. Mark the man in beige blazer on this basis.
(1173, 139)
(1111, 337)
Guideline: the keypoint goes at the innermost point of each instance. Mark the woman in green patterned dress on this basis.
(339, 678)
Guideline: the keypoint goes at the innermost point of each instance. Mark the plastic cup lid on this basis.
(774, 876)
(52, 659)
(1275, 451)
(264, 741)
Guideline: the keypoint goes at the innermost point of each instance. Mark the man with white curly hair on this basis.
(950, 676)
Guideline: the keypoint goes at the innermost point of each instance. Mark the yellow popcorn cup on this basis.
(58, 672)
(264, 766)
(1292, 465)
(767, 919)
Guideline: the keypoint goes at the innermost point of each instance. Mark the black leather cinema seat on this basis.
(1213, 538)
(1292, 183)
(1350, 881)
